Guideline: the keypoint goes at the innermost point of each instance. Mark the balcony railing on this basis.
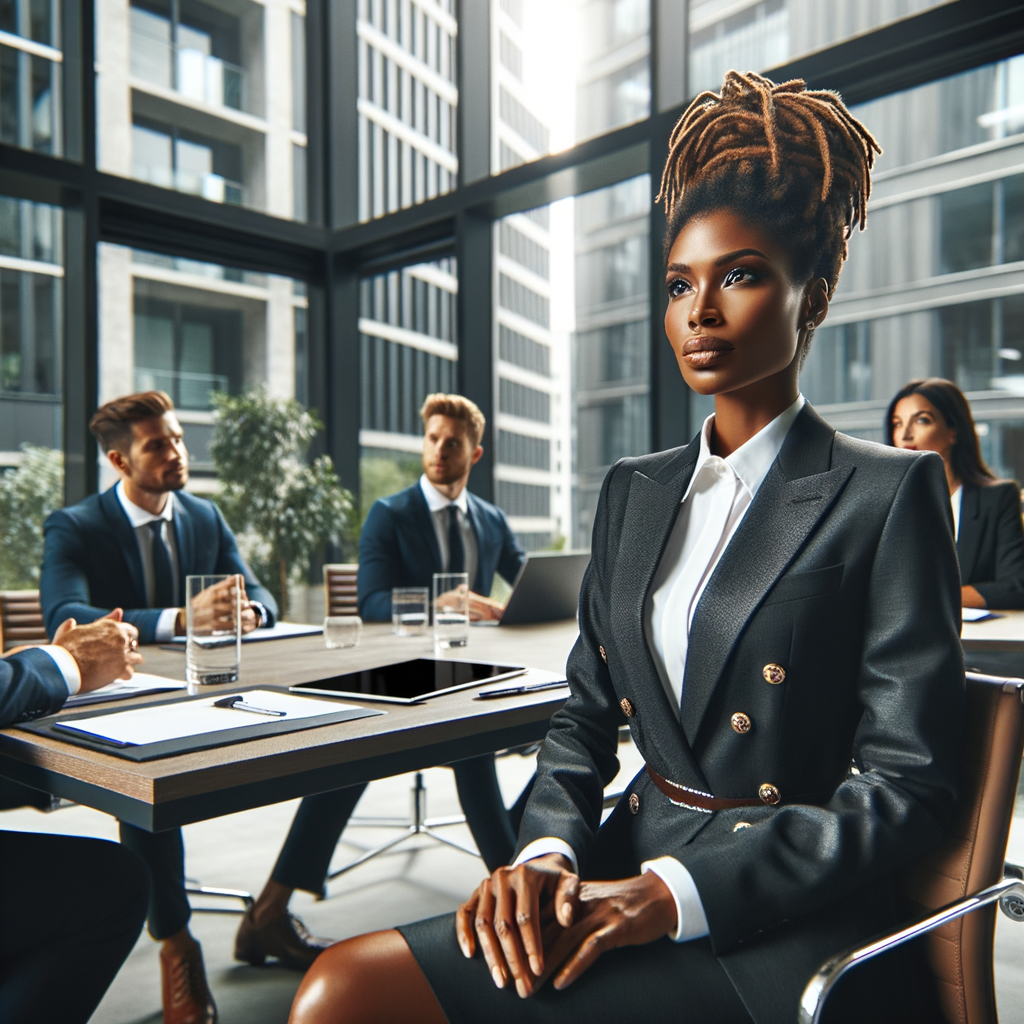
(190, 72)
(214, 187)
(188, 390)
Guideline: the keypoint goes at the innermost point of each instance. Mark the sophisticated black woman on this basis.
(933, 415)
(774, 610)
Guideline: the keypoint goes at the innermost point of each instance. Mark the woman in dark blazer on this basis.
(774, 609)
(933, 415)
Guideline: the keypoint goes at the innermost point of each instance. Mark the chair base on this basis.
(417, 824)
(194, 888)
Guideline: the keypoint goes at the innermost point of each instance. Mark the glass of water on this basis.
(410, 610)
(451, 609)
(213, 647)
(342, 630)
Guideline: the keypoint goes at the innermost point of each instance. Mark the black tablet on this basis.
(408, 682)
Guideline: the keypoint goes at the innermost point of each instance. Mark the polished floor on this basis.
(419, 879)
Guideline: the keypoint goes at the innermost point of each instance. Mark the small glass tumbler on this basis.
(342, 631)
(451, 609)
(410, 610)
(213, 647)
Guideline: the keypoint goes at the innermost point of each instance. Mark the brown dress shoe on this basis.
(186, 996)
(285, 938)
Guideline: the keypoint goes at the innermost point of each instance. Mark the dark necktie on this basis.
(456, 551)
(163, 574)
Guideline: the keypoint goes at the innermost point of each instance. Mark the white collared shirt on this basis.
(438, 504)
(956, 499)
(140, 519)
(718, 496)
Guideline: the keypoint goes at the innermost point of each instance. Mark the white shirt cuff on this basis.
(690, 920)
(540, 847)
(67, 665)
(165, 625)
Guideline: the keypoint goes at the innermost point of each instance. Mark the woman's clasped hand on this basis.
(538, 919)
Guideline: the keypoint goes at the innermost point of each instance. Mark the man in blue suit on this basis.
(132, 547)
(438, 526)
(72, 907)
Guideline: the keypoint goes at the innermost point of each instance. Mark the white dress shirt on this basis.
(140, 520)
(438, 504)
(956, 499)
(716, 500)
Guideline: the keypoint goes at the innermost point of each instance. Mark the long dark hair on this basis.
(950, 403)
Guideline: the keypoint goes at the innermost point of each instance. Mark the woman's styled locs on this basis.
(782, 156)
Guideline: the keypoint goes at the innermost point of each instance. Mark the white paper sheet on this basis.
(141, 682)
(978, 615)
(197, 717)
(278, 631)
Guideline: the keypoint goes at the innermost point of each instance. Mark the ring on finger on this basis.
(133, 644)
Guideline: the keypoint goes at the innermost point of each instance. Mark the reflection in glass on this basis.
(562, 73)
(196, 329)
(205, 98)
(754, 35)
(408, 350)
(573, 336)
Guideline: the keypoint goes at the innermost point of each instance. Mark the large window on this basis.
(935, 285)
(407, 103)
(30, 74)
(758, 34)
(562, 73)
(206, 97)
(408, 350)
(572, 339)
(194, 329)
(31, 327)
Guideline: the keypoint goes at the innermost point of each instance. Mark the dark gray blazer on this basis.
(844, 573)
(991, 543)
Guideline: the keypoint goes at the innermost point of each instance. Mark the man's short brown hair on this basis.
(112, 423)
(456, 407)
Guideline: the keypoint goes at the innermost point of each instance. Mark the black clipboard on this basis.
(188, 744)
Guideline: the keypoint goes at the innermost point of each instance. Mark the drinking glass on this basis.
(342, 630)
(451, 609)
(410, 610)
(213, 647)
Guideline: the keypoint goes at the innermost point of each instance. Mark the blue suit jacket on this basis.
(31, 686)
(91, 561)
(398, 548)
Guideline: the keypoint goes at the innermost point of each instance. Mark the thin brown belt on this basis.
(694, 798)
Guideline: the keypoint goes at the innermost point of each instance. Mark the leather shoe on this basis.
(186, 996)
(285, 938)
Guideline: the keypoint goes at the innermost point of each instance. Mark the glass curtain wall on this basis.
(572, 335)
(407, 103)
(30, 75)
(193, 330)
(935, 286)
(758, 34)
(565, 72)
(408, 349)
(206, 97)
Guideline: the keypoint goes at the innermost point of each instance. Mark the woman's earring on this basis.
(810, 325)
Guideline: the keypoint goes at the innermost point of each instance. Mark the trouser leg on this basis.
(164, 854)
(72, 910)
(306, 854)
(486, 816)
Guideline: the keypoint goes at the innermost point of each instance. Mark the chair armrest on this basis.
(1008, 892)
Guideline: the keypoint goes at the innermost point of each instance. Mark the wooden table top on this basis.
(191, 787)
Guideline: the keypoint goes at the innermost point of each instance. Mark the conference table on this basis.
(176, 790)
(996, 645)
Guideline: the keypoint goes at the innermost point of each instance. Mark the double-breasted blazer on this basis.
(843, 574)
(990, 543)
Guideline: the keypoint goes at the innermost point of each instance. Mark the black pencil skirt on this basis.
(663, 981)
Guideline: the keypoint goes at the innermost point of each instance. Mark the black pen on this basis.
(511, 691)
(238, 704)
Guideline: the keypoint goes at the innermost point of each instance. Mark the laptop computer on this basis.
(547, 588)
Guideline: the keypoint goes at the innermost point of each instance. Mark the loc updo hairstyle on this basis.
(787, 159)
